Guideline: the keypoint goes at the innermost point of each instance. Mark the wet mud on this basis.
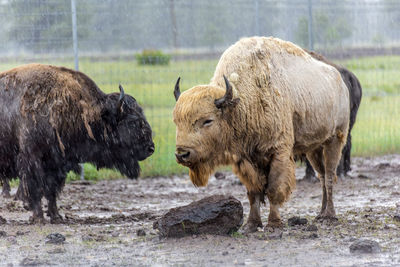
(111, 223)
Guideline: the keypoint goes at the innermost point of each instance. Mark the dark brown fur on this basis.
(55, 118)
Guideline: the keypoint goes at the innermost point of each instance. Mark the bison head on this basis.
(130, 135)
(202, 118)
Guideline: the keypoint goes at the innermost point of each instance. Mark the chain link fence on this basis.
(146, 45)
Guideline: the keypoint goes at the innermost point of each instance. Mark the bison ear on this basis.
(177, 90)
(226, 100)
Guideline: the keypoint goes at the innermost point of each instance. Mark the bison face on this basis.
(131, 135)
(202, 128)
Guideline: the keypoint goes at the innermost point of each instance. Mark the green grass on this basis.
(377, 130)
(378, 75)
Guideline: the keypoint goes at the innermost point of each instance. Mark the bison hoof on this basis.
(37, 220)
(250, 227)
(272, 225)
(56, 220)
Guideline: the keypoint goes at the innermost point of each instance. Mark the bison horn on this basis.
(121, 97)
(177, 91)
(226, 100)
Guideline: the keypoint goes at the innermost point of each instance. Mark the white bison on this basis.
(278, 103)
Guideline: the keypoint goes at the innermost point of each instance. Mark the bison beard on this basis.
(200, 173)
(279, 103)
(55, 118)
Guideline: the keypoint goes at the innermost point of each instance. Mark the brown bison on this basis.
(278, 103)
(52, 119)
(355, 94)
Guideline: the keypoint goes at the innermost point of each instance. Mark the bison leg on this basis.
(34, 200)
(346, 156)
(55, 181)
(316, 159)
(6, 188)
(254, 220)
(332, 154)
(281, 182)
(52, 210)
(32, 187)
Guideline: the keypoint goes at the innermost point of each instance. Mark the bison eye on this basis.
(207, 122)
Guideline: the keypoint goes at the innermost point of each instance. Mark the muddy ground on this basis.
(104, 219)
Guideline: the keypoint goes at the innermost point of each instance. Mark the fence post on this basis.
(310, 27)
(74, 34)
(76, 57)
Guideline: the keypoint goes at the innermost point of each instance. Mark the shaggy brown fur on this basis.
(285, 103)
(53, 118)
(61, 98)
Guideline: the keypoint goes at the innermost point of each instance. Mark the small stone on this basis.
(141, 232)
(396, 217)
(365, 246)
(219, 175)
(313, 236)
(2, 220)
(363, 176)
(18, 233)
(225, 253)
(55, 238)
(114, 234)
(297, 221)
(312, 228)
(3, 234)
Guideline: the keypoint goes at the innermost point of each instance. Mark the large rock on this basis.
(218, 215)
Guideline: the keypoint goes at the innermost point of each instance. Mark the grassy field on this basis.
(377, 130)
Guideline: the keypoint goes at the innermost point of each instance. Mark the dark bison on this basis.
(278, 102)
(52, 119)
(355, 94)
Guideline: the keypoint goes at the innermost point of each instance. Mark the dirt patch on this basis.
(103, 221)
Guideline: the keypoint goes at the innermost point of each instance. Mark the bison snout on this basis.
(183, 155)
(151, 149)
